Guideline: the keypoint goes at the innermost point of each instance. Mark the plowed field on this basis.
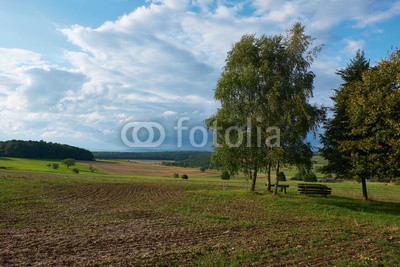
(144, 168)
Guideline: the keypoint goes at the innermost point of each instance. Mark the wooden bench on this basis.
(281, 186)
(314, 189)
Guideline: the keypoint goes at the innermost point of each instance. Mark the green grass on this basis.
(39, 165)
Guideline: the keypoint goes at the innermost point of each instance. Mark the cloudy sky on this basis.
(76, 71)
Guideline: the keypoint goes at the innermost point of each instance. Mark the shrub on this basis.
(48, 165)
(184, 176)
(91, 169)
(75, 170)
(3, 168)
(202, 169)
(176, 175)
(55, 166)
(281, 176)
(310, 177)
(297, 177)
(68, 162)
(225, 175)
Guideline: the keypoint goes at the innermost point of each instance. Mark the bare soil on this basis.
(147, 168)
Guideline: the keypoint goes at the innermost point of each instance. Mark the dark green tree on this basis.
(374, 115)
(366, 141)
(337, 129)
(69, 162)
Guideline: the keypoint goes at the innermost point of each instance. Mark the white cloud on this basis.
(352, 46)
(169, 113)
(379, 16)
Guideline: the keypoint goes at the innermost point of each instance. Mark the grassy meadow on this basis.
(57, 218)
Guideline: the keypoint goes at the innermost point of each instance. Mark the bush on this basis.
(75, 170)
(281, 177)
(3, 168)
(48, 165)
(225, 175)
(297, 177)
(91, 169)
(68, 162)
(310, 177)
(176, 175)
(202, 169)
(55, 166)
(184, 176)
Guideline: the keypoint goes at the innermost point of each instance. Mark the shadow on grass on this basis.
(358, 205)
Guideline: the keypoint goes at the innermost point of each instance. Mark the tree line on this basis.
(196, 157)
(43, 150)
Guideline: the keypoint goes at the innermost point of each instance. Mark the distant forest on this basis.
(42, 150)
(179, 158)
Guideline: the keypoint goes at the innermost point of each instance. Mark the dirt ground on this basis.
(147, 168)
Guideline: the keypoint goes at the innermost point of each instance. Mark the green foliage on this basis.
(176, 175)
(310, 177)
(184, 176)
(202, 169)
(338, 129)
(75, 170)
(91, 168)
(305, 175)
(281, 176)
(42, 150)
(225, 175)
(69, 162)
(55, 166)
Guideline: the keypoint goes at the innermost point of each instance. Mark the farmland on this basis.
(103, 219)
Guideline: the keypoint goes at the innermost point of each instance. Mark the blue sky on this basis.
(76, 71)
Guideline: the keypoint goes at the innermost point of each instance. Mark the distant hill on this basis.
(180, 158)
(42, 150)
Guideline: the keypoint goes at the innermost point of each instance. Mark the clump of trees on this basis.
(265, 113)
(69, 162)
(42, 150)
(362, 138)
